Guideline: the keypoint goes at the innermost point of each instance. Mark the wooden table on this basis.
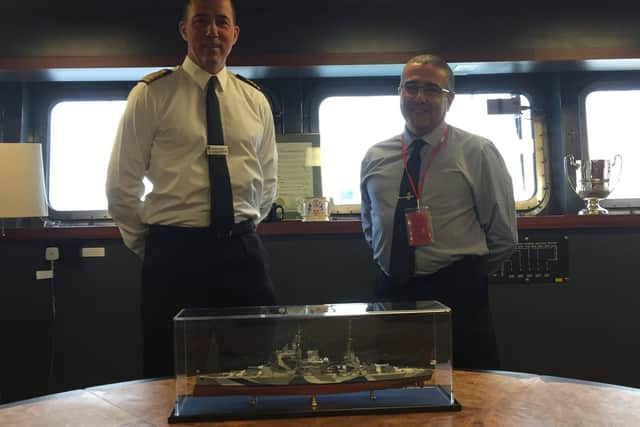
(491, 398)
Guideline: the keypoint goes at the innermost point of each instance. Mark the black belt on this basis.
(245, 227)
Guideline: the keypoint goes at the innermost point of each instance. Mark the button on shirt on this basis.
(467, 189)
(163, 136)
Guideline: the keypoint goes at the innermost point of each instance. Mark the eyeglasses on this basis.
(429, 90)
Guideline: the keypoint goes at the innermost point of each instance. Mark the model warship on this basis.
(293, 371)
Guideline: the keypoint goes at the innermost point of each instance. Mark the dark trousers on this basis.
(195, 268)
(462, 286)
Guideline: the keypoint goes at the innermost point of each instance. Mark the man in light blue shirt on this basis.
(462, 222)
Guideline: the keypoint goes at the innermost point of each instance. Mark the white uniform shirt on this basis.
(163, 136)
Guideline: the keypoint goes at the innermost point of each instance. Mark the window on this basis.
(80, 141)
(374, 118)
(612, 128)
(81, 135)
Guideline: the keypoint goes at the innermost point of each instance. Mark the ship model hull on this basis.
(358, 385)
(293, 371)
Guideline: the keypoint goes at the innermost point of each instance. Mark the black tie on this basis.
(221, 214)
(402, 263)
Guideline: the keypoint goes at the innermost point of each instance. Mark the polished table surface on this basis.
(491, 398)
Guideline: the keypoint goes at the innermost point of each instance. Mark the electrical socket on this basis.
(91, 252)
(44, 274)
(52, 254)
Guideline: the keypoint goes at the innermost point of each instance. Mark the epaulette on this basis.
(155, 76)
(249, 82)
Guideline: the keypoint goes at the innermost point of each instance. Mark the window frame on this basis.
(626, 83)
(44, 97)
(318, 91)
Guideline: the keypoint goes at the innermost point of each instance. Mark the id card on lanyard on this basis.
(418, 219)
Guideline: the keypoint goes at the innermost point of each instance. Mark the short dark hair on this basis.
(438, 62)
(187, 3)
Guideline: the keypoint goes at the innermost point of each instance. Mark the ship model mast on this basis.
(297, 347)
(350, 358)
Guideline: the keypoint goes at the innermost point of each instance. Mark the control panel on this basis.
(536, 260)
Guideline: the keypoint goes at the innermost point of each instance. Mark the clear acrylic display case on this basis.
(278, 361)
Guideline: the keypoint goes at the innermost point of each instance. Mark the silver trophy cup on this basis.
(592, 181)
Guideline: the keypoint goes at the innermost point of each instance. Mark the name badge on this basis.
(217, 150)
(419, 227)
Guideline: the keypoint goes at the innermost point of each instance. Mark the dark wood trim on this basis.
(55, 233)
(577, 221)
(298, 228)
(323, 58)
(309, 228)
(365, 58)
(33, 63)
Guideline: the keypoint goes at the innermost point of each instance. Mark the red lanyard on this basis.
(417, 192)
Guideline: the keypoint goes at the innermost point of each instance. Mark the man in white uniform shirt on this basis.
(165, 135)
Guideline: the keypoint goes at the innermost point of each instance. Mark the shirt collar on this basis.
(431, 138)
(201, 77)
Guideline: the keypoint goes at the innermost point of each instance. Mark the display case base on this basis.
(221, 408)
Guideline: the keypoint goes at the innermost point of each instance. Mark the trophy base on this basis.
(593, 208)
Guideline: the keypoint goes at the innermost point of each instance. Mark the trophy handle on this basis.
(570, 161)
(615, 161)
